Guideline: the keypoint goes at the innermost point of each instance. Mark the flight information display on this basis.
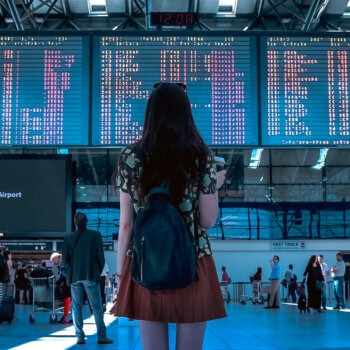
(219, 72)
(44, 89)
(305, 91)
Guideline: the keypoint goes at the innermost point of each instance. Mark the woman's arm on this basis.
(208, 210)
(208, 204)
(126, 225)
(306, 271)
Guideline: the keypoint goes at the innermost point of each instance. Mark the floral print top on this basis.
(129, 171)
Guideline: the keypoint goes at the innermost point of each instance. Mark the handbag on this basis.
(68, 267)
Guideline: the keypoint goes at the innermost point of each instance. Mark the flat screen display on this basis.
(35, 196)
(305, 91)
(44, 89)
(219, 72)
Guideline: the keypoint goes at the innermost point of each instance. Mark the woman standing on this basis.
(314, 281)
(170, 153)
(23, 284)
(10, 285)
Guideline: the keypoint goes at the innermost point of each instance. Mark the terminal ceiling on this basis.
(303, 15)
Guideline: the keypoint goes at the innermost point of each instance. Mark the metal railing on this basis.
(239, 289)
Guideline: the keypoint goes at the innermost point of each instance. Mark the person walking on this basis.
(83, 256)
(325, 273)
(291, 283)
(170, 154)
(315, 283)
(275, 283)
(338, 272)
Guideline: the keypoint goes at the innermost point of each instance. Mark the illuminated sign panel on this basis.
(219, 71)
(44, 89)
(305, 91)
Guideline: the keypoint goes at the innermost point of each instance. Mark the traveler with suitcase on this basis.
(7, 303)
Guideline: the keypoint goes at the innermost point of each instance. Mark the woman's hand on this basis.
(118, 278)
(220, 178)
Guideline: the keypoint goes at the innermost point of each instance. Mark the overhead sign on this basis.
(34, 246)
(109, 246)
(288, 245)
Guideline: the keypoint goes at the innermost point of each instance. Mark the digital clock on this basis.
(173, 18)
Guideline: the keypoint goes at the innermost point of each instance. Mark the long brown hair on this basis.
(312, 260)
(171, 148)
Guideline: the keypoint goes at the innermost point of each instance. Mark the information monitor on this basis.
(44, 89)
(218, 70)
(35, 195)
(305, 90)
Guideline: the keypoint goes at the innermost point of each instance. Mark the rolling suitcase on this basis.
(7, 309)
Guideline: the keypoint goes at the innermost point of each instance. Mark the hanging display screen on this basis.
(219, 72)
(305, 91)
(44, 89)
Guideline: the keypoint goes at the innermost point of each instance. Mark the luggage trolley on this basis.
(225, 292)
(44, 292)
(256, 297)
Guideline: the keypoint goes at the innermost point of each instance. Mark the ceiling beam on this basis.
(15, 15)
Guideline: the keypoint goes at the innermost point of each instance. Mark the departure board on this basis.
(219, 72)
(44, 89)
(305, 91)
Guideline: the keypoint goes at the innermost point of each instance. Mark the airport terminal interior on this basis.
(269, 86)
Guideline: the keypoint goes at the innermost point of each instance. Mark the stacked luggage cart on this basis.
(44, 299)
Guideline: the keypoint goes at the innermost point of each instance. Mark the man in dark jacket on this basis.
(83, 252)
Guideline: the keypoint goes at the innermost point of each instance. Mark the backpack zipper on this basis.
(142, 251)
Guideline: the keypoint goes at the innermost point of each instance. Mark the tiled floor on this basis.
(246, 327)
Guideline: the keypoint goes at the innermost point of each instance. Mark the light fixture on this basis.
(321, 159)
(228, 6)
(62, 151)
(97, 7)
(255, 158)
(348, 5)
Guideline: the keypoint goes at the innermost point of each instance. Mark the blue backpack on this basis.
(164, 255)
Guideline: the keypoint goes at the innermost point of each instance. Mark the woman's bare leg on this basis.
(154, 335)
(190, 335)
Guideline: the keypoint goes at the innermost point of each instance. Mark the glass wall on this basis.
(282, 198)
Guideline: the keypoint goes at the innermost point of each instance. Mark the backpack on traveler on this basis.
(164, 255)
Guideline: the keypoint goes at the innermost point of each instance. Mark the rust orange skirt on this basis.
(198, 302)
